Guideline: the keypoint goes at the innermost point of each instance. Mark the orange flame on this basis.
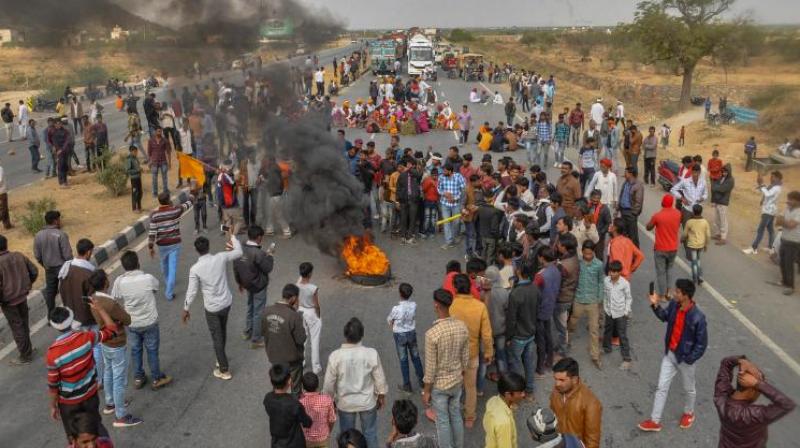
(363, 257)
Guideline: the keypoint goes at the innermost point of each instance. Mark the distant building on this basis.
(117, 33)
(8, 36)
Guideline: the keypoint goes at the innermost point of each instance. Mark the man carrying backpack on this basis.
(251, 272)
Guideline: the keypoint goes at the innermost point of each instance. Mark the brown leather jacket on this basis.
(579, 413)
(744, 424)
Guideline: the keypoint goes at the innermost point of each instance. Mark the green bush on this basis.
(113, 176)
(459, 35)
(90, 74)
(33, 218)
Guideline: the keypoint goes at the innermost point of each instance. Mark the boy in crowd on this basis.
(402, 321)
(696, 235)
(589, 297)
(320, 408)
(617, 308)
(404, 419)
(134, 170)
(200, 210)
(286, 414)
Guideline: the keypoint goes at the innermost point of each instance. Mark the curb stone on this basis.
(103, 253)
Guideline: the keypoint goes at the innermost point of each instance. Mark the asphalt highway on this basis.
(745, 316)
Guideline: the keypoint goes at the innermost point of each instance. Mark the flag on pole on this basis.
(188, 166)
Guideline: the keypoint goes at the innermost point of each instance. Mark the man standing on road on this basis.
(576, 119)
(476, 317)
(210, 275)
(71, 376)
(17, 275)
(7, 116)
(721, 189)
(750, 151)
(690, 191)
(743, 424)
(312, 314)
(789, 254)
(32, 135)
(511, 111)
(577, 409)
(684, 344)
(769, 208)
(446, 359)
(622, 249)
(569, 188)
(284, 335)
(520, 320)
(76, 114)
(115, 360)
(251, 272)
(159, 156)
(355, 380)
(137, 292)
(451, 189)
(631, 199)
(165, 232)
(23, 116)
(464, 125)
(51, 249)
(650, 147)
(667, 223)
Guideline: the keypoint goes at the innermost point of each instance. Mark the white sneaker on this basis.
(750, 251)
(222, 375)
(771, 251)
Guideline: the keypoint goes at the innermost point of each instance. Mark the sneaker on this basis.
(650, 426)
(109, 408)
(405, 388)
(411, 241)
(126, 421)
(771, 251)
(687, 420)
(256, 345)
(750, 251)
(21, 361)
(786, 292)
(158, 384)
(222, 375)
(286, 236)
(626, 365)
(245, 335)
(597, 363)
(444, 247)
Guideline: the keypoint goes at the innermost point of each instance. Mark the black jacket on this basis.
(488, 221)
(523, 305)
(694, 338)
(252, 269)
(286, 416)
(721, 188)
(403, 196)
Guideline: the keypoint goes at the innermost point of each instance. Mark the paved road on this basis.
(18, 167)
(200, 410)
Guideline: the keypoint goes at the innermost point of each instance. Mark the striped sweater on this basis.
(70, 364)
(165, 224)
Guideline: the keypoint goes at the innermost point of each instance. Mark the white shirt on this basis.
(617, 301)
(319, 76)
(474, 97)
(694, 192)
(607, 184)
(498, 99)
(769, 201)
(620, 113)
(210, 275)
(186, 139)
(136, 290)
(307, 291)
(23, 114)
(597, 112)
(355, 378)
(402, 316)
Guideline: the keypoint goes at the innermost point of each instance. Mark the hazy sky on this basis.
(474, 13)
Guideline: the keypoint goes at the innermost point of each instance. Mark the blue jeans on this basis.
(529, 147)
(155, 168)
(255, 306)
(523, 360)
(115, 378)
(449, 422)
(34, 150)
(50, 169)
(97, 354)
(369, 424)
(145, 338)
(500, 355)
(693, 255)
(559, 149)
(169, 265)
(767, 223)
(450, 228)
(470, 239)
(560, 315)
(406, 344)
(431, 215)
(542, 152)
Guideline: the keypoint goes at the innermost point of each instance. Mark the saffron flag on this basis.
(188, 166)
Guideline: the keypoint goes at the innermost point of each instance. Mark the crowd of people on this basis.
(538, 257)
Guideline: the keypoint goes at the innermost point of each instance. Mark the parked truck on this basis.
(420, 54)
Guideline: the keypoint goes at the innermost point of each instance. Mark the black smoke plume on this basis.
(325, 203)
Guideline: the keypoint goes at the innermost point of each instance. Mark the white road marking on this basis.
(10, 347)
(766, 340)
